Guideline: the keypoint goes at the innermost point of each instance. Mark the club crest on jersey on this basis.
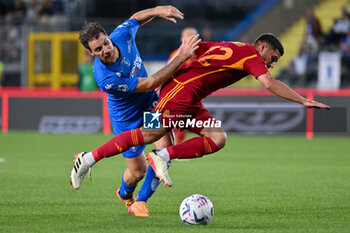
(125, 61)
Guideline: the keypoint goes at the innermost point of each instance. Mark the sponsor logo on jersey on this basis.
(136, 66)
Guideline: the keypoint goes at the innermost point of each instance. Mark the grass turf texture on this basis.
(256, 183)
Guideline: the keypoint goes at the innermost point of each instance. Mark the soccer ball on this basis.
(196, 209)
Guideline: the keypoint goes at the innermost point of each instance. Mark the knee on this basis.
(139, 175)
(220, 140)
(219, 137)
(148, 137)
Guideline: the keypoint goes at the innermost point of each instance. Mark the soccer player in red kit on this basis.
(186, 33)
(214, 66)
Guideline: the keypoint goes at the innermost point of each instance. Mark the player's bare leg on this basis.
(153, 135)
(139, 208)
(217, 135)
(135, 171)
(165, 141)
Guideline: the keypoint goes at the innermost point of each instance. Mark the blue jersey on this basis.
(120, 79)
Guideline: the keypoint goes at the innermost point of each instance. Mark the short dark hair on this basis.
(272, 40)
(89, 32)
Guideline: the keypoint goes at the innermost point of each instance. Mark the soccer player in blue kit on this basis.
(119, 71)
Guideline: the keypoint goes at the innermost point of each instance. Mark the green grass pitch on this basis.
(256, 183)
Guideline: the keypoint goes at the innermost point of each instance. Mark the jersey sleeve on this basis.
(255, 66)
(126, 30)
(118, 86)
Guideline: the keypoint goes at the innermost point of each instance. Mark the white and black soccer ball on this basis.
(196, 209)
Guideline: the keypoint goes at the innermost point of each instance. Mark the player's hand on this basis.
(169, 13)
(314, 104)
(188, 47)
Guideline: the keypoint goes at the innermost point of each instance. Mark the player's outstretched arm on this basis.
(185, 51)
(166, 12)
(282, 90)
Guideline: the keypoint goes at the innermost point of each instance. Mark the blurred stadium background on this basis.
(40, 55)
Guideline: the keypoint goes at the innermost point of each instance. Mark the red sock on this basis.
(119, 144)
(180, 136)
(192, 148)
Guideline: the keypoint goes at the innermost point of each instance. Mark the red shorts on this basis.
(181, 109)
(194, 120)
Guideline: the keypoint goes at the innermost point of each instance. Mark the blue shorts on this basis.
(122, 126)
(119, 127)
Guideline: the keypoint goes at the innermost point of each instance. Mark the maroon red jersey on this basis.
(214, 66)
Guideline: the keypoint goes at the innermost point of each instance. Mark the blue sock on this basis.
(149, 186)
(126, 191)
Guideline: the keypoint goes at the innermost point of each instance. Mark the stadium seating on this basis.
(327, 11)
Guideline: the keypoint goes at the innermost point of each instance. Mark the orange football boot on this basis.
(139, 209)
(127, 202)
